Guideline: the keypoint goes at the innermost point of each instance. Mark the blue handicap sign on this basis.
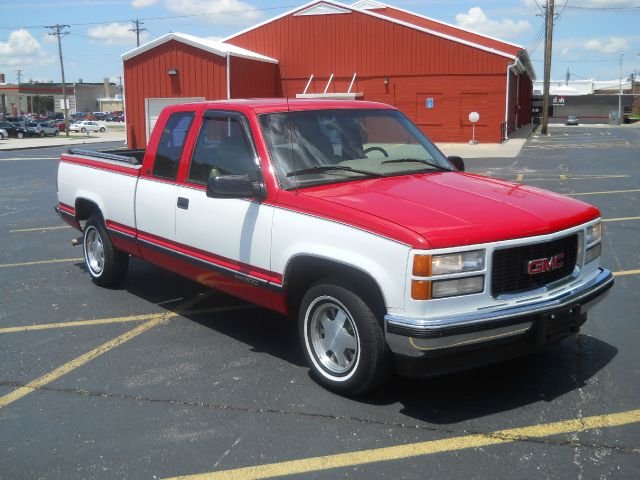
(430, 102)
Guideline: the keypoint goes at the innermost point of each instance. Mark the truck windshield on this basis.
(326, 146)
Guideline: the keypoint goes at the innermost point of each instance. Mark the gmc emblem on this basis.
(542, 265)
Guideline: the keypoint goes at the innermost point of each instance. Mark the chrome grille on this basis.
(510, 265)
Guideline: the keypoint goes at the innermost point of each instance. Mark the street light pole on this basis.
(620, 92)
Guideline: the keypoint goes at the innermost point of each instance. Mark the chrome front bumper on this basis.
(419, 337)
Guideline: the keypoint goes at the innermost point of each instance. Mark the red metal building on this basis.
(176, 68)
(434, 72)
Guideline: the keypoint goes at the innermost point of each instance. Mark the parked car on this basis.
(59, 124)
(572, 120)
(87, 126)
(3, 134)
(41, 129)
(344, 215)
(14, 130)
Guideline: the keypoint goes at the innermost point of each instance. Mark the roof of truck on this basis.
(272, 105)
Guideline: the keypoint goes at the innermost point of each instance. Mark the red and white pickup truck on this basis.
(344, 214)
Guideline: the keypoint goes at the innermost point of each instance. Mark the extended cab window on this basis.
(223, 148)
(171, 145)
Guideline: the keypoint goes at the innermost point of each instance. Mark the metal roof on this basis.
(217, 48)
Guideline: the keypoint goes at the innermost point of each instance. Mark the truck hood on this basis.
(452, 209)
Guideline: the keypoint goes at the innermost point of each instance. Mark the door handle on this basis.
(183, 203)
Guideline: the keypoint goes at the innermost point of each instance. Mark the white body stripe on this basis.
(113, 192)
(235, 229)
(385, 260)
(156, 208)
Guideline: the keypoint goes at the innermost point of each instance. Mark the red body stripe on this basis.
(102, 165)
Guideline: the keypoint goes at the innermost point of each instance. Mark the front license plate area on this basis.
(560, 323)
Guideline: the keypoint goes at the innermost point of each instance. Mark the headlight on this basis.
(594, 233)
(459, 286)
(426, 266)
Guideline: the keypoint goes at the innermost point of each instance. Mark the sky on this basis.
(589, 35)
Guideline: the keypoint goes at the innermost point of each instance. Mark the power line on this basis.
(151, 19)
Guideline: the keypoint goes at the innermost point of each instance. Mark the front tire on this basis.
(342, 339)
(20, 135)
(83, 130)
(42, 134)
(106, 265)
(102, 129)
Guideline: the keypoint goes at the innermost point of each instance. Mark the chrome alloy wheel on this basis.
(332, 336)
(94, 251)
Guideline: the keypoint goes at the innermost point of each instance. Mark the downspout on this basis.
(506, 102)
(228, 76)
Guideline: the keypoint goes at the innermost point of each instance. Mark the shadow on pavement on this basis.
(545, 376)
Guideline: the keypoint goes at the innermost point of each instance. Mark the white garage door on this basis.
(153, 107)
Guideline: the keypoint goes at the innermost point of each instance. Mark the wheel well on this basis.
(304, 271)
(85, 208)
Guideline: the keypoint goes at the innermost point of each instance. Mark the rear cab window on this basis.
(174, 135)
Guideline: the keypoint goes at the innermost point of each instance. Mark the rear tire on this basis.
(42, 134)
(20, 135)
(83, 130)
(106, 265)
(102, 129)
(342, 339)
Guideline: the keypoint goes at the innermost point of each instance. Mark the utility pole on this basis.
(548, 41)
(137, 29)
(620, 92)
(19, 74)
(57, 32)
(568, 76)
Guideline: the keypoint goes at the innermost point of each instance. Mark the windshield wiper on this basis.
(417, 160)
(328, 168)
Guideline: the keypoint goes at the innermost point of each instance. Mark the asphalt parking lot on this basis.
(162, 378)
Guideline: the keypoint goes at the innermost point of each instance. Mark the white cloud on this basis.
(219, 12)
(143, 3)
(22, 48)
(607, 45)
(214, 38)
(537, 4)
(115, 34)
(475, 19)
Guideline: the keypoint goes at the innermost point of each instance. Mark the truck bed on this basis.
(132, 157)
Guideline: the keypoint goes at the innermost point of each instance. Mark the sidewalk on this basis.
(61, 140)
(509, 149)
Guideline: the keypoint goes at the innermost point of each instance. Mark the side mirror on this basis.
(232, 186)
(457, 162)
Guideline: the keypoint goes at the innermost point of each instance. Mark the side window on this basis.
(171, 145)
(222, 148)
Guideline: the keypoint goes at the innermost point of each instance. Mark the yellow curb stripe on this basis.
(41, 229)
(400, 452)
(41, 262)
(626, 272)
(132, 318)
(77, 362)
(620, 219)
(601, 193)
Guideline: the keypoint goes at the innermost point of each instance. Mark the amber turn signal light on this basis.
(422, 265)
(420, 289)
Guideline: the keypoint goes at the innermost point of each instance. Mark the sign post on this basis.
(473, 118)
